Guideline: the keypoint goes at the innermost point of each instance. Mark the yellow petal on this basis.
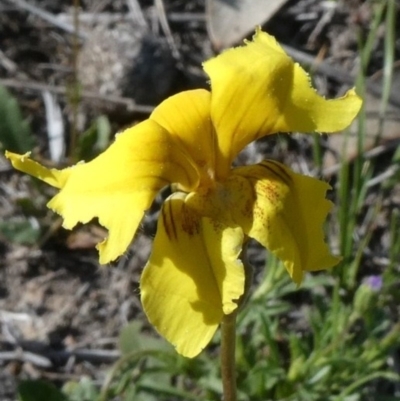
(55, 178)
(258, 90)
(285, 212)
(186, 116)
(119, 185)
(193, 276)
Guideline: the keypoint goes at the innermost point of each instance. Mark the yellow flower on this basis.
(194, 275)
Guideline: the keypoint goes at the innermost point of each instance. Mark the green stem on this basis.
(228, 346)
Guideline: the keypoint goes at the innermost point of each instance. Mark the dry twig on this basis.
(45, 15)
(61, 90)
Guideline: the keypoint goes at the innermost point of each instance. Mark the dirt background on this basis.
(54, 297)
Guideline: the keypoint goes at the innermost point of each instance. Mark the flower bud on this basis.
(366, 295)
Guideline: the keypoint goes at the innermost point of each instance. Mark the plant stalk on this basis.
(228, 347)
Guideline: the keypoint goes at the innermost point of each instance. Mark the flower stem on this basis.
(228, 346)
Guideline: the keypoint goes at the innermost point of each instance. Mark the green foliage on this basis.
(22, 231)
(15, 134)
(84, 390)
(26, 228)
(353, 179)
(94, 140)
(334, 349)
(39, 390)
(146, 370)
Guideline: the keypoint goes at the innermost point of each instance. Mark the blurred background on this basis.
(73, 74)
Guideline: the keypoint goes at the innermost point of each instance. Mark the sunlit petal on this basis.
(186, 116)
(55, 178)
(119, 185)
(285, 212)
(258, 90)
(193, 276)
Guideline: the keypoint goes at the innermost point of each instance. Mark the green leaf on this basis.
(84, 390)
(39, 390)
(131, 339)
(320, 374)
(15, 133)
(20, 231)
(94, 140)
(103, 132)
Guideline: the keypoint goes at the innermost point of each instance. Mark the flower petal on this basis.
(258, 90)
(55, 178)
(285, 212)
(119, 185)
(193, 276)
(186, 116)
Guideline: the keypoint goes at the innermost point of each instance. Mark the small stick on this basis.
(60, 90)
(162, 17)
(136, 13)
(45, 15)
